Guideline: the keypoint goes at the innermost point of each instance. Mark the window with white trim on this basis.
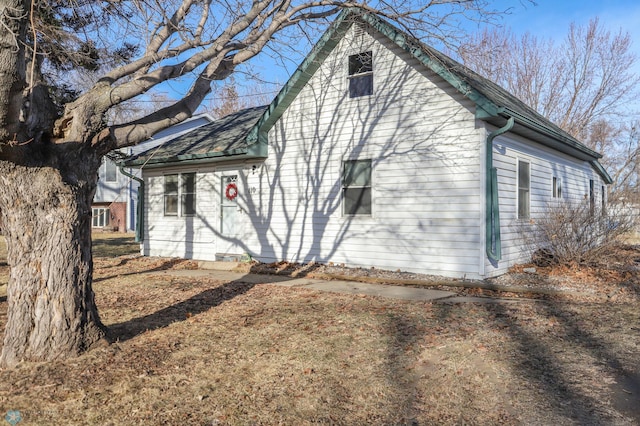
(524, 190)
(592, 197)
(361, 74)
(557, 187)
(99, 217)
(356, 188)
(180, 194)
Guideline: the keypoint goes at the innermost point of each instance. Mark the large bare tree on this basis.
(585, 78)
(585, 83)
(52, 139)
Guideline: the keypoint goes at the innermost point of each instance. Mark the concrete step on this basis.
(218, 265)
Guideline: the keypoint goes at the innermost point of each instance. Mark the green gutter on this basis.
(139, 207)
(492, 219)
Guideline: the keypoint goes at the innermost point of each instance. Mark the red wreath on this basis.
(231, 192)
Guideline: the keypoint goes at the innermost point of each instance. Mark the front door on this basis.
(229, 215)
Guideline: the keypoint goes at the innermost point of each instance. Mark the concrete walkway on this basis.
(336, 286)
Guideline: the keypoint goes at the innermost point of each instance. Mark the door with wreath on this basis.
(230, 216)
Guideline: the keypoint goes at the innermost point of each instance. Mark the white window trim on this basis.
(557, 190)
(103, 215)
(106, 175)
(180, 212)
(372, 186)
(361, 74)
(528, 162)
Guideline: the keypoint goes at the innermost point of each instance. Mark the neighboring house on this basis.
(114, 203)
(374, 154)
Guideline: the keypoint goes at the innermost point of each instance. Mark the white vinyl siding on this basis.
(427, 178)
(424, 147)
(545, 163)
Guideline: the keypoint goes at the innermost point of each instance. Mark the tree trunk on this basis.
(46, 220)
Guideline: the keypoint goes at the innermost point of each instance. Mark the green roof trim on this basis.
(607, 178)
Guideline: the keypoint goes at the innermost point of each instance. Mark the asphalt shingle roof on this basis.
(224, 137)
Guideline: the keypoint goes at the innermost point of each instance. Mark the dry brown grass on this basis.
(203, 351)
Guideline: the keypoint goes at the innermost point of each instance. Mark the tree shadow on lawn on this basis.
(168, 264)
(545, 369)
(197, 304)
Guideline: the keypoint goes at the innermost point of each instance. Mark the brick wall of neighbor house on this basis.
(118, 212)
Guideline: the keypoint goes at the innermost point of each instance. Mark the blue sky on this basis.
(544, 19)
(551, 18)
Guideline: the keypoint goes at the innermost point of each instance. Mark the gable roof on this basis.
(245, 133)
(219, 140)
(493, 103)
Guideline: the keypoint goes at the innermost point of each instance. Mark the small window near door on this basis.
(524, 190)
(361, 74)
(180, 194)
(171, 195)
(356, 188)
(188, 194)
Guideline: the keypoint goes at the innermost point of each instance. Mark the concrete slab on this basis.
(352, 287)
(346, 287)
(221, 274)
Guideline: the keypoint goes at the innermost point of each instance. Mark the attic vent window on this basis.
(361, 74)
(358, 30)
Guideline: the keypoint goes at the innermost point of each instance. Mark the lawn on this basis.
(212, 352)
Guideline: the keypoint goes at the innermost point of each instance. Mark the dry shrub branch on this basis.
(575, 232)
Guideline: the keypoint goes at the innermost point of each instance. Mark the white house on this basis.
(379, 151)
(114, 203)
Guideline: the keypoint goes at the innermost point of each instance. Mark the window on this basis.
(557, 187)
(604, 200)
(180, 194)
(524, 189)
(171, 195)
(110, 171)
(356, 187)
(100, 217)
(361, 74)
(188, 194)
(592, 197)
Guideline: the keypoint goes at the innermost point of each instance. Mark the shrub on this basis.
(576, 233)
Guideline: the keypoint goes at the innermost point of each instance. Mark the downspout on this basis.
(139, 206)
(492, 225)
